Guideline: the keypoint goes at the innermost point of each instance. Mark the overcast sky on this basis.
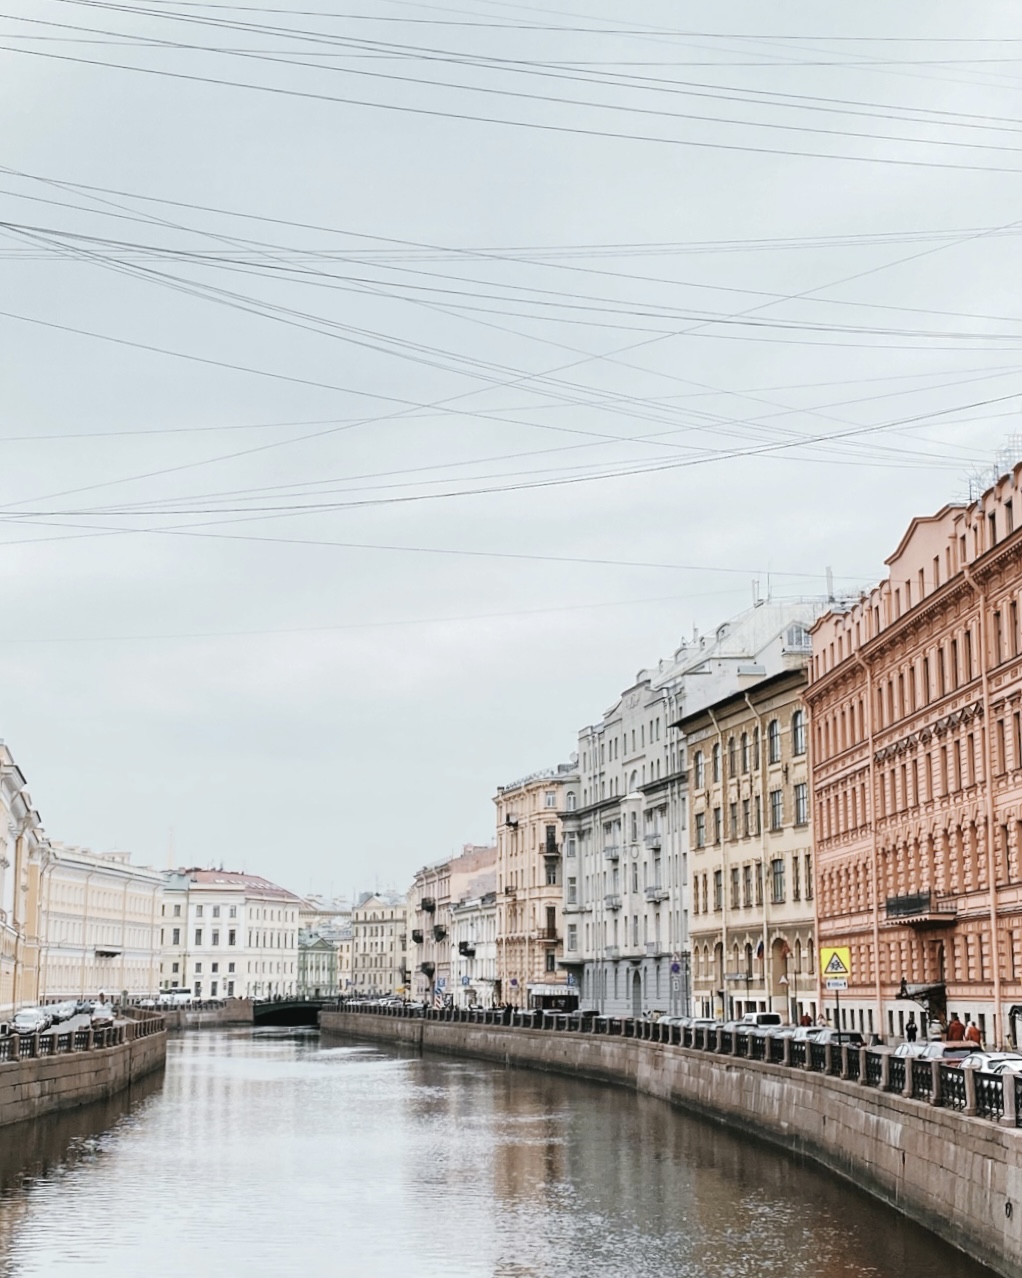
(381, 391)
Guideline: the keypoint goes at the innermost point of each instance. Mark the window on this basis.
(550, 799)
(777, 881)
(733, 813)
(746, 817)
(798, 732)
(747, 886)
(716, 825)
(571, 800)
(773, 742)
(732, 757)
(214, 967)
(175, 937)
(551, 961)
(216, 911)
(232, 912)
(215, 937)
(572, 893)
(175, 967)
(802, 803)
(809, 876)
(551, 873)
(569, 845)
(230, 967)
(232, 937)
(198, 911)
(700, 829)
(776, 809)
(699, 770)
(716, 761)
(718, 889)
(735, 900)
(745, 752)
(572, 936)
(198, 968)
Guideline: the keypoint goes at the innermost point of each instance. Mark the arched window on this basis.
(716, 761)
(700, 772)
(571, 800)
(798, 732)
(755, 748)
(732, 758)
(745, 752)
(773, 742)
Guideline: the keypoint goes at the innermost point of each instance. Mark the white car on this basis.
(30, 1020)
(102, 1016)
(63, 1011)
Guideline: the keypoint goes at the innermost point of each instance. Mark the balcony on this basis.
(612, 853)
(655, 949)
(920, 909)
(428, 904)
(572, 907)
(439, 932)
(417, 935)
(612, 951)
(654, 839)
(550, 848)
(427, 969)
(467, 949)
(547, 934)
(612, 902)
(657, 894)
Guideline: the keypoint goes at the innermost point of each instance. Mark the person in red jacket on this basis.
(972, 1034)
(955, 1029)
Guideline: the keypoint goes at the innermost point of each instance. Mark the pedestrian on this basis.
(955, 1029)
(911, 1029)
(806, 1019)
(972, 1034)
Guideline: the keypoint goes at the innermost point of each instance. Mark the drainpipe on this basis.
(768, 961)
(723, 876)
(988, 773)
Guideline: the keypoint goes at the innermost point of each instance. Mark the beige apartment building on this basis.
(751, 916)
(22, 849)
(916, 706)
(530, 898)
(100, 922)
(435, 893)
(379, 945)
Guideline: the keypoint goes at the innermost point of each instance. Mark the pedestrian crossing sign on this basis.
(836, 966)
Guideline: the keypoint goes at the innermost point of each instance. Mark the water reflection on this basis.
(272, 1154)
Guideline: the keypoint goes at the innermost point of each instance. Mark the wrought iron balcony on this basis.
(654, 839)
(657, 894)
(417, 935)
(550, 848)
(612, 853)
(428, 904)
(612, 951)
(920, 909)
(546, 934)
(467, 949)
(612, 902)
(427, 969)
(439, 932)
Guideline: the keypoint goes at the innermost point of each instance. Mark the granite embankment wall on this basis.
(36, 1085)
(959, 1176)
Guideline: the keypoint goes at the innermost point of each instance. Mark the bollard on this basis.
(15, 1047)
(828, 1056)
(935, 1084)
(35, 1044)
(970, 1090)
(90, 1040)
(734, 1042)
(1010, 1116)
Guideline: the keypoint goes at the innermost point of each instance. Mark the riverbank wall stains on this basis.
(961, 1177)
(34, 1086)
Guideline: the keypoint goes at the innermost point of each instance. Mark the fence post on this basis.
(909, 1077)
(844, 1060)
(885, 1071)
(863, 1057)
(15, 1047)
(1010, 1116)
(935, 1084)
(786, 1048)
(970, 1090)
(828, 1057)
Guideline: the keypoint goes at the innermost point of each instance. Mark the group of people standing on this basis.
(955, 1031)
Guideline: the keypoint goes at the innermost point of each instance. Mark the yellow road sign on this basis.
(835, 961)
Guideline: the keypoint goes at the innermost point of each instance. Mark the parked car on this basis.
(176, 996)
(150, 1001)
(762, 1019)
(807, 1033)
(992, 1062)
(953, 1053)
(909, 1049)
(840, 1038)
(84, 1007)
(31, 1020)
(102, 1016)
(62, 1011)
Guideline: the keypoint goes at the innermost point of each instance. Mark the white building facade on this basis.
(228, 935)
(100, 921)
(474, 951)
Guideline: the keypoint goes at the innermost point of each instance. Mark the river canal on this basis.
(270, 1154)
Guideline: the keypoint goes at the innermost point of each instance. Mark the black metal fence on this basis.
(15, 1047)
(968, 1091)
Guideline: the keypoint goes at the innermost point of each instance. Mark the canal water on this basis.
(270, 1154)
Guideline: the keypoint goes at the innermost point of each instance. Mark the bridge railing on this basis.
(995, 1097)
